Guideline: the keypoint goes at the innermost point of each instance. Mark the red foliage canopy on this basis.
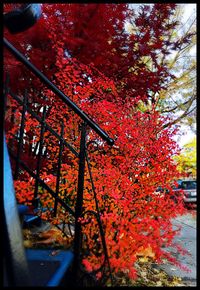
(86, 51)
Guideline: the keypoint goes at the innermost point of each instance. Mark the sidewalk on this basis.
(187, 240)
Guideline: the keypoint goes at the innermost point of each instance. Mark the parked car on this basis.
(189, 188)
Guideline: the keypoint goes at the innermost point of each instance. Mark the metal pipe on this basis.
(79, 203)
(59, 168)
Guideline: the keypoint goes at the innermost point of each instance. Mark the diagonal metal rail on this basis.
(59, 93)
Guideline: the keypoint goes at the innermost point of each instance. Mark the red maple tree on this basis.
(85, 50)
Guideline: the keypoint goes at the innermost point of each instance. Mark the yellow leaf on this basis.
(143, 259)
(147, 252)
(28, 244)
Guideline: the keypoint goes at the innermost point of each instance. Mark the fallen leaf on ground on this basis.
(145, 252)
(28, 244)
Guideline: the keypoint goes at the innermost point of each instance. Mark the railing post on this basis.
(35, 201)
(21, 134)
(59, 169)
(79, 203)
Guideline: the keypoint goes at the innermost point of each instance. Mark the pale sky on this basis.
(188, 135)
(190, 8)
(185, 137)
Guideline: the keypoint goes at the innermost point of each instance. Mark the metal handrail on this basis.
(55, 89)
(79, 209)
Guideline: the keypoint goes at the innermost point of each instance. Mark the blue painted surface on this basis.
(14, 249)
(36, 10)
(22, 209)
(64, 257)
(30, 217)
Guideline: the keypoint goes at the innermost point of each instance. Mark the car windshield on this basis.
(188, 185)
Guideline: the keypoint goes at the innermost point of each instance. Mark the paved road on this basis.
(187, 239)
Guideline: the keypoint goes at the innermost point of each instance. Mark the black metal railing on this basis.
(58, 92)
(82, 155)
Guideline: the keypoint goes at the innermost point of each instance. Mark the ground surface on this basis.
(166, 274)
(150, 274)
(187, 239)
